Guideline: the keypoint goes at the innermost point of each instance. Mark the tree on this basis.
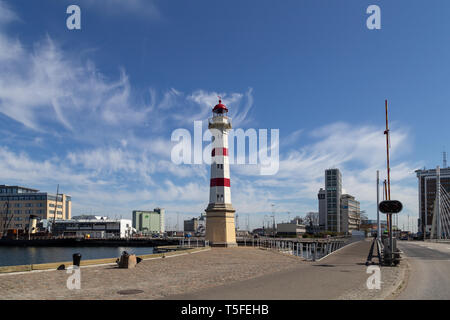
(312, 219)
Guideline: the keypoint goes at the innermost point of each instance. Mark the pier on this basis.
(242, 272)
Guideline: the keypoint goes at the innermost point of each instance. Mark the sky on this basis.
(93, 110)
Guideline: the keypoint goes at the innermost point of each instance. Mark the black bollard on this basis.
(76, 259)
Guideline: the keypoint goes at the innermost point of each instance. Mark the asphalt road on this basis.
(429, 276)
(328, 278)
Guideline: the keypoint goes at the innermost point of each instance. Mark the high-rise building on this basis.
(220, 225)
(350, 214)
(322, 209)
(149, 221)
(17, 204)
(333, 189)
(337, 212)
(427, 195)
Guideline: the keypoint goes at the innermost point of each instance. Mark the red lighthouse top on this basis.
(220, 108)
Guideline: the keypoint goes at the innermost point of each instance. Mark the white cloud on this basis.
(358, 151)
(123, 145)
(7, 15)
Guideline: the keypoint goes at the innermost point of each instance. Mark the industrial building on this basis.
(293, 228)
(18, 203)
(196, 226)
(96, 227)
(191, 225)
(149, 222)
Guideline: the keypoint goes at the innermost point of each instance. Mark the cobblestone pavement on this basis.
(341, 275)
(157, 278)
(393, 280)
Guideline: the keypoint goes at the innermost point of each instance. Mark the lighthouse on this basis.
(220, 228)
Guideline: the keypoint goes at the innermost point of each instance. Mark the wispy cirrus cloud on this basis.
(7, 15)
(111, 151)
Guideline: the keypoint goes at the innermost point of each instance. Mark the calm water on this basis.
(10, 256)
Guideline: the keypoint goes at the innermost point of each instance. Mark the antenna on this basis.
(388, 144)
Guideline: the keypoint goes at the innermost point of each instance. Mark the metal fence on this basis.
(193, 243)
(309, 249)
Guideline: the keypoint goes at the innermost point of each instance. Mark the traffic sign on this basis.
(390, 206)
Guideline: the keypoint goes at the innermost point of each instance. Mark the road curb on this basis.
(403, 283)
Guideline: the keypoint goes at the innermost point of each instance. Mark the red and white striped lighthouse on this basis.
(220, 227)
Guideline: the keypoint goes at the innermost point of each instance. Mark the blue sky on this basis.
(93, 110)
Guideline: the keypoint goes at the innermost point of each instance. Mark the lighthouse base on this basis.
(220, 227)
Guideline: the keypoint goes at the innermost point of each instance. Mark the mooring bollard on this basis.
(76, 257)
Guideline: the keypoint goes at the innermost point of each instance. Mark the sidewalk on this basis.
(151, 279)
(333, 277)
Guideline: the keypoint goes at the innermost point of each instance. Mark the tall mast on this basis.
(387, 154)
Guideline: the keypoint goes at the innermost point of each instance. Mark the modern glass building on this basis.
(333, 188)
(427, 195)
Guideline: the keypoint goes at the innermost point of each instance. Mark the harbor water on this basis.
(11, 256)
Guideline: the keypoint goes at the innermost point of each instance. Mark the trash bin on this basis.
(76, 259)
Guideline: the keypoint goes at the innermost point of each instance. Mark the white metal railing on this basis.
(309, 250)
